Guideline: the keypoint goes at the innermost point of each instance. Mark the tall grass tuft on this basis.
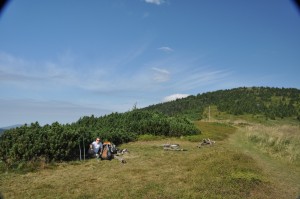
(278, 141)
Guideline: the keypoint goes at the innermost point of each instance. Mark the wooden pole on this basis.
(209, 113)
(79, 151)
(83, 148)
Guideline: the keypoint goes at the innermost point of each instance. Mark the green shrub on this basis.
(58, 142)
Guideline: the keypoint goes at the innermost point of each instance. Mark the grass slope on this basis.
(224, 170)
(282, 166)
(214, 172)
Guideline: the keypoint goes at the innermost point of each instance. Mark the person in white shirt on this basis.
(96, 147)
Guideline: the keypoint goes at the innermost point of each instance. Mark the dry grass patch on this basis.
(282, 172)
(278, 141)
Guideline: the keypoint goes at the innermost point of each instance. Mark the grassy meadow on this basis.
(243, 163)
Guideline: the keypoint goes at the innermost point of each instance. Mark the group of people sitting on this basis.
(106, 151)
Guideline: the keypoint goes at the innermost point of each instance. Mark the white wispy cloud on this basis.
(166, 49)
(161, 75)
(186, 74)
(192, 78)
(157, 2)
(174, 97)
(62, 74)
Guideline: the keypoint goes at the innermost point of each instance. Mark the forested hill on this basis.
(270, 102)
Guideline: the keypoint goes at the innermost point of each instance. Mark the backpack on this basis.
(107, 153)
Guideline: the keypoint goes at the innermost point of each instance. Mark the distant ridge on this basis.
(11, 127)
(2, 129)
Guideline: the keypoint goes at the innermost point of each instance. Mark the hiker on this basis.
(96, 148)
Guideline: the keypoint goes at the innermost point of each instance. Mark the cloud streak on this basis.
(202, 78)
(180, 75)
(105, 78)
(157, 2)
(166, 49)
(160, 75)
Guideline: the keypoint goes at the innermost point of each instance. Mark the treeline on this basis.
(57, 142)
(271, 102)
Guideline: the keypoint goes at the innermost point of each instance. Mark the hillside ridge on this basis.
(269, 102)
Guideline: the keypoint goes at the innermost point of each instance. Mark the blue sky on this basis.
(60, 60)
